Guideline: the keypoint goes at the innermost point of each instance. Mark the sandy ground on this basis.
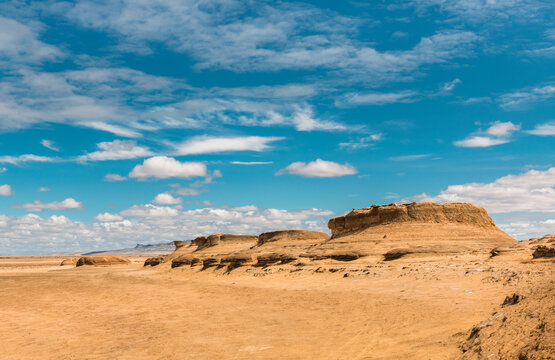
(407, 309)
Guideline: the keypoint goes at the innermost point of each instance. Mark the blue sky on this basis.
(125, 122)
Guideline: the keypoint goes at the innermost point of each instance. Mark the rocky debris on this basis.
(67, 262)
(542, 251)
(203, 242)
(511, 300)
(524, 330)
(102, 260)
(291, 235)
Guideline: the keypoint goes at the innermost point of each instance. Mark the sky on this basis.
(148, 121)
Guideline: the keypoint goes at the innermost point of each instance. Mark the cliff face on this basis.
(291, 236)
(203, 242)
(424, 213)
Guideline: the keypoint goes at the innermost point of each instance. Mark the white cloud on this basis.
(526, 229)
(547, 129)
(6, 190)
(251, 162)
(450, 86)
(522, 98)
(166, 199)
(375, 98)
(117, 150)
(304, 120)
(498, 133)
(318, 168)
(531, 191)
(38, 206)
(108, 217)
(209, 145)
(149, 210)
(480, 141)
(114, 177)
(44, 189)
(19, 44)
(189, 191)
(49, 145)
(163, 167)
(409, 157)
(362, 142)
(32, 235)
(20, 159)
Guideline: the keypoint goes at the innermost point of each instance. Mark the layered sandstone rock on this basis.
(291, 236)
(203, 242)
(415, 228)
(102, 260)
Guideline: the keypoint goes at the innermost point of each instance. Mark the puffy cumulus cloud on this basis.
(108, 217)
(547, 129)
(117, 150)
(526, 229)
(318, 168)
(114, 177)
(532, 191)
(166, 199)
(38, 206)
(32, 234)
(209, 145)
(163, 167)
(6, 190)
(149, 210)
(26, 158)
(498, 133)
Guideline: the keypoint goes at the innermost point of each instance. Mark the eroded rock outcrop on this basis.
(68, 262)
(417, 228)
(203, 242)
(102, 260)
(286, 236)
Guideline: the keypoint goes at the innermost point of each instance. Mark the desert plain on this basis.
(296, 295)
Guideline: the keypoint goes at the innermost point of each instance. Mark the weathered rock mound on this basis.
(417, 228)
(68, 262)
(203, 242)
(291, 235)
(425, 213)
(102, 260)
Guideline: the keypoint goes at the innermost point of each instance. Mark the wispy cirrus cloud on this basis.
(213, 144)
(38, 206)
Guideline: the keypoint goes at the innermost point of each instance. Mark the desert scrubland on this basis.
(413, 281)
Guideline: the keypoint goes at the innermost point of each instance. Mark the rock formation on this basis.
(416, 228)
(67, 262)
(102, 260)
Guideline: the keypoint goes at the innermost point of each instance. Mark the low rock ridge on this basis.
(207, 241)
(291, 235)
(426, 212)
